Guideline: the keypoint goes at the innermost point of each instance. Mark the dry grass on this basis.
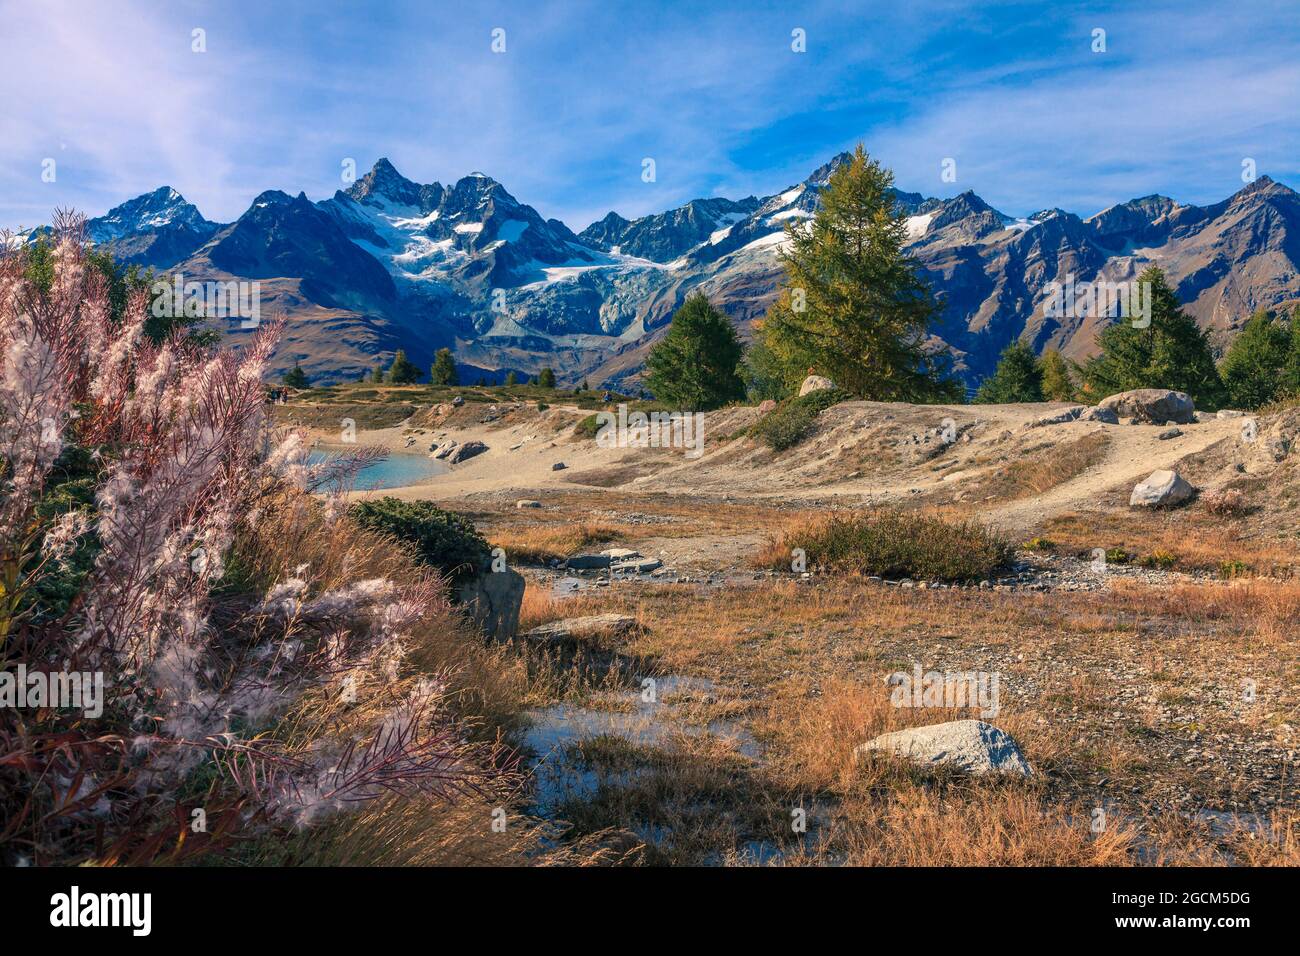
(1196, 538)
(1090, 681)
(541, 544)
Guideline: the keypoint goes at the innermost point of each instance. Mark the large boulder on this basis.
(466, 451)
(587, 562)
(970, 746)
(1161, 489)
(492, 600)
(1154, 405)
(815, 383)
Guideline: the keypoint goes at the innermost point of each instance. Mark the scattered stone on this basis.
(457, 401)
(466, 451)
(1169, 433)
(1057, 418)
(587, 562)
(1229, 413)
(1161, 489)
(527, 503)
(559, 466)
(766, 406)
(1096, 413)
(1152, 405)
(636, 566)
(620, 554)
(815, 383)
(583, 628)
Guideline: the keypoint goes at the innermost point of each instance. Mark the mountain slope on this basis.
(391, 263)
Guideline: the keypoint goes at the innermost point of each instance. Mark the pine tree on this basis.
(296, 377)
(853, 306)
(546, 378)
(1057, 384)
(694, 366)
(444, 369)
(1018, 378)
(762, 373)
(1253, 369)
(1172, 352)
(377, 375)
(403, 372)
(512, 379)
(1290, 384)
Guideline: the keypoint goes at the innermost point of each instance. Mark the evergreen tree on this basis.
(444, 369)
(1256, 362)
(296, 377)
(1018, 378)
(546, 378)
(403, 371)
(1172, 351)
(762, 373)
(694, 366)
(853, 305)
(1057, 384)
(512, 379)
(1290, 384)
(377, 375)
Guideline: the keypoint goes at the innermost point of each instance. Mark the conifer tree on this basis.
(853, 305)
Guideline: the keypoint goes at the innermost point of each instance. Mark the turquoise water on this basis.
(394, 471)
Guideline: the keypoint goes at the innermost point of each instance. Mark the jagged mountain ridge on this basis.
(391, 263)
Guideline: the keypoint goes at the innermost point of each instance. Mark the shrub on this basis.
(1117, 556)
(441, 539)
(588, 427)
(1040, 544)
(791, 421)
(132, 468)
(1164, 560)
(1233, 569)
(893, 544)
(1226, 502)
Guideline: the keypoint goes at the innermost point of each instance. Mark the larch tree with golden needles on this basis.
(853, 305)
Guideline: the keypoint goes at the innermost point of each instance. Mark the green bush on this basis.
(790, 422)
(896, 544)
(1117, 556)
(588, 427)
(442, 539)
(1233, 569)
(1164, 560)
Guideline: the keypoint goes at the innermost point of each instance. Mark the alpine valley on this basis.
(390, 263)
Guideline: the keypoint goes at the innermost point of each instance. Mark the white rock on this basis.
(970, 746)
(815, 383)
(1161, 489)
(1158, 405)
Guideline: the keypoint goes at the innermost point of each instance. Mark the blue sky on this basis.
(713, 92)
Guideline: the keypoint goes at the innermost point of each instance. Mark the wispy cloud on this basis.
(585, 91)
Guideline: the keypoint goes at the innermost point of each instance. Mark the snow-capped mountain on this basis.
(159, 229)
(391, 263)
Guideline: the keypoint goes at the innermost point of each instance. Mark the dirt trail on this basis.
(522, 454)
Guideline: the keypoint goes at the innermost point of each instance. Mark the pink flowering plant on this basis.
(240, 691)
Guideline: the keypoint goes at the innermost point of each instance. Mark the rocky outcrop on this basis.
(583, 628)
(466, 451)
(492, 600)
(1096, 413)
(1161, 489)
(971, 746)
(1152, 405)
